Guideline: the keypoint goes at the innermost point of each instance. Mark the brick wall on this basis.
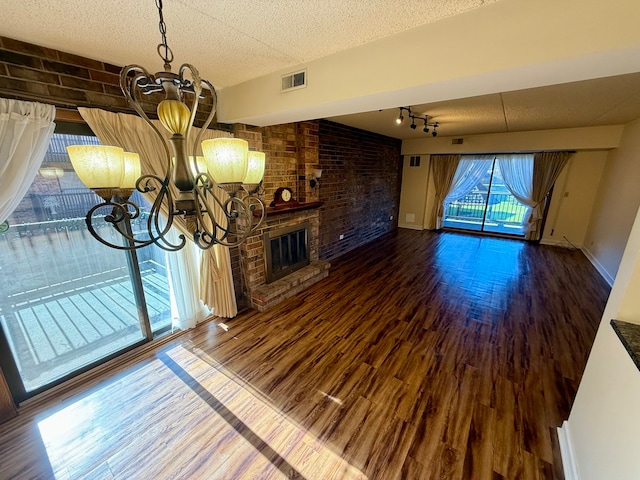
(360, 187)
(35, 73)
(31, 72)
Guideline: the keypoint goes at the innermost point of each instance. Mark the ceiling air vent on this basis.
(293, 81)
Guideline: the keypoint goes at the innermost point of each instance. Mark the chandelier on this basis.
(414, 117)
(216, 194)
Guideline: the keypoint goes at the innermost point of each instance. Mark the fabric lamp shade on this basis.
(98, 166)
(255, 168)
(131, 170)
(226, 159)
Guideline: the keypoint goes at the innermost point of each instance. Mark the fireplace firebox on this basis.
(286, 250)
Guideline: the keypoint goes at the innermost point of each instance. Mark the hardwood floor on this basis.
(421, 356)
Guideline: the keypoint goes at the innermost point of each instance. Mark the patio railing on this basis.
(503, 210)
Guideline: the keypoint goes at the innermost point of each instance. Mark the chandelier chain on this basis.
(163, 48)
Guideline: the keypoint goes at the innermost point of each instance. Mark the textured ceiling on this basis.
(230, 41)
(233, 41)
(603, 101)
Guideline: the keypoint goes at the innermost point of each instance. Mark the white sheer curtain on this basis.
(212, 282)
(25, 131)
(187, 310)
(517, 173)
(469, 173)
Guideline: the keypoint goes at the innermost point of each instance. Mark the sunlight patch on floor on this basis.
(330, 397)
(186, 417)
(280, 440)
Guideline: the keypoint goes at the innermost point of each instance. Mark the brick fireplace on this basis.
(262, 295)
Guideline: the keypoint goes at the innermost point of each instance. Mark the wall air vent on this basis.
(293, 81)
(457, 141)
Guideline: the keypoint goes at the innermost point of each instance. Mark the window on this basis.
(68, 302)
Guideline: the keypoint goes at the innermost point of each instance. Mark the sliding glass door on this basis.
(67, 302)
(484, 203)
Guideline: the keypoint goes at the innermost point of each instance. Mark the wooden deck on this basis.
(421, 356)
(55, 334)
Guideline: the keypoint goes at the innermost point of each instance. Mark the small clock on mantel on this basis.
(283, 197)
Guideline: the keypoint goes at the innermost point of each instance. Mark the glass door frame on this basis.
(482, 222)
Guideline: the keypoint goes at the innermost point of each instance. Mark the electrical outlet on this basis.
(341, 237)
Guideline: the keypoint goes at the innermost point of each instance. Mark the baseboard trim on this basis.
(410, 227)
(601, 270)
(566, 452)
(554, 243)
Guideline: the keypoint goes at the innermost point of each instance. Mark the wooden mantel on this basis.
(271, 211)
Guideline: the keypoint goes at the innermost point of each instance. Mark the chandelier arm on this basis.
(212, 113)
(245, 210)
(155, 231)
(118, 214)
(195, 83)
(263, 211)
(203, 192)
(233, 208)
(131, 86)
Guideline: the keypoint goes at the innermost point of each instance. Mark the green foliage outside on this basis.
(503, 212)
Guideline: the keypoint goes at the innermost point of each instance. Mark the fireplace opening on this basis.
(286, 250)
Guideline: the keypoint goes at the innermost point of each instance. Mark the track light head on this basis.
(399, 119)
(425, 129)
(434, 133)
(413, 125)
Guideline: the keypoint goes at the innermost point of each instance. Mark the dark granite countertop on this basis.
(629, 334)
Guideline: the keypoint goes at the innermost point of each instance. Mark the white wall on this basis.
(413, 195)
(603, 430)
(616, 203)
(573, 198)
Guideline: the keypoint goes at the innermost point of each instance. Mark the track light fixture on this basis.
(413, 118)
(400, 118)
